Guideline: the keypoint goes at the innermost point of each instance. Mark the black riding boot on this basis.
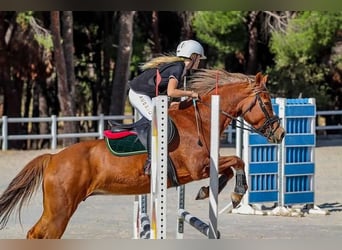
(147, 165)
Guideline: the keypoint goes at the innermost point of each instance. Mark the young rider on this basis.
(172, 70)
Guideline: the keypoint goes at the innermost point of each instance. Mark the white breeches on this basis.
(142, 103)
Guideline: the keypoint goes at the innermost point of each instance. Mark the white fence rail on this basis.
(54, 134)
(329, 113)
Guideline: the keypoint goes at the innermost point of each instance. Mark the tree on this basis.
(22, 61)
(94, 53)
(68, 48)
(10, 90)
(41, 80)
(104, 85)
(122, 64)
(303, 57)
(186, 18)
(156, 49)
(225, 32)
(65, 88)
(4, 58)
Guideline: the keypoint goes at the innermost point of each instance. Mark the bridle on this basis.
(265, 130)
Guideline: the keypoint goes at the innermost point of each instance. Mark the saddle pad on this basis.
(128, 145)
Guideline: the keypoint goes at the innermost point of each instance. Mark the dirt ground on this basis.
(111, 217)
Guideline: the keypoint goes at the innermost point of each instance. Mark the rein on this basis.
(197, 124)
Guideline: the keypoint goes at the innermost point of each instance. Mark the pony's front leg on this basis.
(240, 186)
(240, 178)
(226, 163)
(223, 180)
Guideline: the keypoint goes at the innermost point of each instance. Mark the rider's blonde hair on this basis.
(157, 61)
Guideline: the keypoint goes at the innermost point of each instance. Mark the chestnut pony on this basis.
(89, 168)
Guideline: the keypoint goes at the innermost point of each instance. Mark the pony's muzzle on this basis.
(277, 136)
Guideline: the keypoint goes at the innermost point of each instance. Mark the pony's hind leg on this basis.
(52, 223)
(46, 228)
(58, 207)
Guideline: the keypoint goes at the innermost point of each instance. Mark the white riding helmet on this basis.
(188, 47)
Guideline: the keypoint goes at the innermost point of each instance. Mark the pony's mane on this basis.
(203, 81)
(160, 60)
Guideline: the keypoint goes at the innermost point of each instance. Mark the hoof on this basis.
(203, 193)
(236, 199)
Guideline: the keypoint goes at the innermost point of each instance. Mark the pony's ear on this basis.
(264, 79)
(259, 78)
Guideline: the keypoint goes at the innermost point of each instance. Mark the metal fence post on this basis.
(101, 126)
(4, 133)
(53, 132)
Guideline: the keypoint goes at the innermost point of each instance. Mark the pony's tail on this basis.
(22, 187)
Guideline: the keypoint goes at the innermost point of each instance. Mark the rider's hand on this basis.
(194, 95)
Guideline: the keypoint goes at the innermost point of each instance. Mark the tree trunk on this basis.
(64, 95)
(68, 46)
(156, 49)
(251, 67)
(186, 30)
(122, 63)
(44, 127)
(101, 98)
(4, 67)
(35, 113)
(28, 87)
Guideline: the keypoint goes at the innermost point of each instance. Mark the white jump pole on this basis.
(142, 227)
(159, 156)
(214, 162)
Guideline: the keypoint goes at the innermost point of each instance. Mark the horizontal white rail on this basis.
(329, 113)
(54, 135)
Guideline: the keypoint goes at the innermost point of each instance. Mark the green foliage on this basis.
(299, 55)
(42, 36)
(224, 32)
(45, 41)
(303, 80)
(305, 37)
(23, 19)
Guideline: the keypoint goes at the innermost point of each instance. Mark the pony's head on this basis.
(257, 110)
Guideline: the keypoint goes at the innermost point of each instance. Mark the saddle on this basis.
(130, 139)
